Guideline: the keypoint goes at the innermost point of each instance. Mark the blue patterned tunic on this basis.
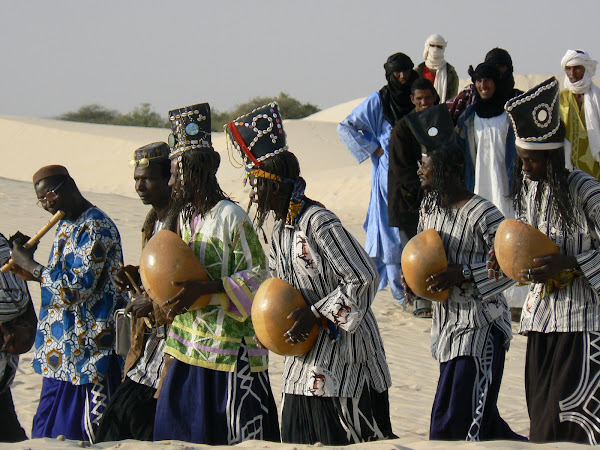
(76, 334)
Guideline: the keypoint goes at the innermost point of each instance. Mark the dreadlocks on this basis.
(286, 166)
(448, 165)
(556, 178)
(199, 189)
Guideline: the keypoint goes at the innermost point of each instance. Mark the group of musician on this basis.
(201, 374)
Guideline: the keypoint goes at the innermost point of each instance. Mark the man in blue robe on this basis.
(366, 133)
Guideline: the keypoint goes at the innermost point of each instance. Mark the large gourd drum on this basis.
(272, 304)
(423, 256)
(517, 244)
(166, 258)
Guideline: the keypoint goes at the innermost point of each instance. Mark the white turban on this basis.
(434, 60)
(579, 58)
(434, 57)
(591, 95)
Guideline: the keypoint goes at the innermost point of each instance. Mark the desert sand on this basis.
(97, 156)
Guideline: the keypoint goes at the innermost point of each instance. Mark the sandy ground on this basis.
(97, 157)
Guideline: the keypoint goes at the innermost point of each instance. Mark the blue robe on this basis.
(363, 132)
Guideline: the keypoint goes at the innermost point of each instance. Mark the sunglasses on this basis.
(50, 195)
(143, 162)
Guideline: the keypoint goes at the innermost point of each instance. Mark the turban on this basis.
(49, 171)
(398, 62)
(591, 95)
(484, 70)
(435, 39)
(579, 58)
(499, 57)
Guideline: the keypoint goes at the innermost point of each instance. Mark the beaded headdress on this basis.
(258, 135)
(151, 152)
(535, 117)
(432, 127)
(190, 129)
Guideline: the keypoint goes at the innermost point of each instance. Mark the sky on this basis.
(59, 55)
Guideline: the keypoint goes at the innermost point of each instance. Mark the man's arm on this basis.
(358, 131)
(347, 304)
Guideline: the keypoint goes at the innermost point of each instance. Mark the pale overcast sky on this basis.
(57, 55)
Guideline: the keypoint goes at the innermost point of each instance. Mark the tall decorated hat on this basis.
(432, 127)
(258, 135)
(190, 127)
(535, 117)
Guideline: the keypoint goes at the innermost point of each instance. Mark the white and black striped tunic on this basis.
(462, 324)
(321, 259)
(576, 307)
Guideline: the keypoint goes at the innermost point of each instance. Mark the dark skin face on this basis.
(422, 99)
(425, 171)
(534, 163)
(174, 180)
(43, 187)
(150, 185)
(485, 87)
(574, 73)
(403, 76)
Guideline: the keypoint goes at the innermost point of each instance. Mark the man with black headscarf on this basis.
(366, 133)
(503, 62)
(488, 140)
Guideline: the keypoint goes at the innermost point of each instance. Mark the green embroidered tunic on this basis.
(211, 337)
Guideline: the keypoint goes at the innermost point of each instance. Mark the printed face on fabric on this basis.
(51, 194)
(534, 163)
(425, 171)
(422, 99)
(486, 88)
(574, 73)
(151, 186)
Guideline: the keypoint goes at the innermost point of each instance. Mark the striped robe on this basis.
(462, 324)
(562, 369)
(577, 306)
(320, 258)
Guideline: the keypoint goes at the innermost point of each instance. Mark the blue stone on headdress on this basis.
(191, 128)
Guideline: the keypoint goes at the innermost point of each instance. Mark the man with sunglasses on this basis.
(130, 414)
(74, 345)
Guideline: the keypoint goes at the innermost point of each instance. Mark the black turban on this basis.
(398, 62)
(499, 57)
(485, 70)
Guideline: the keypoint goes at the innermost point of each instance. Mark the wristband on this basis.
(315, 312)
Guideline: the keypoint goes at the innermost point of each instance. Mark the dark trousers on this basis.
(10, 428)
(561, 386)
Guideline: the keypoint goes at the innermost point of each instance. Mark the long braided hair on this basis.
(448, 164)
(557, 179)
(198, 189)
(286, 166)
